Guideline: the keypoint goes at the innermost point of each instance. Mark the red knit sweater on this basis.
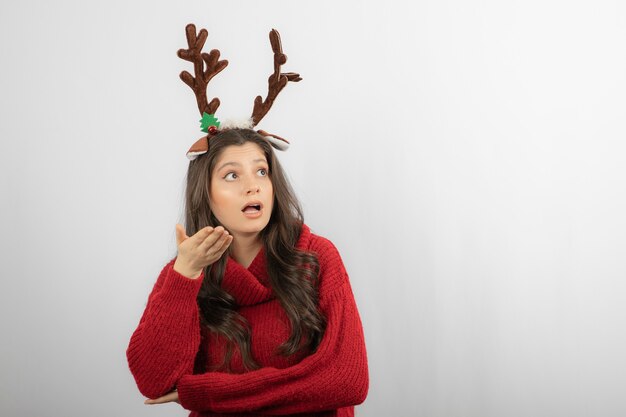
(164, 347)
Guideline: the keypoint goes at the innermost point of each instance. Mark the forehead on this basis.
(241, 154)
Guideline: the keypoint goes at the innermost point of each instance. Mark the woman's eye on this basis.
(230, 176)
(263, 171)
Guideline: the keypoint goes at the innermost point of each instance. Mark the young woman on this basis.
(256, 315)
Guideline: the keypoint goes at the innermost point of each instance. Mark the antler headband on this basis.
(206, 66)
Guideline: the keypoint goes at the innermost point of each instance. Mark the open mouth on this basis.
(252, 208)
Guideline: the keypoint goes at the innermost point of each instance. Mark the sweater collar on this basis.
(250, 286)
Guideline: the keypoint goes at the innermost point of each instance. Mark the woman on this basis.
(256, 315)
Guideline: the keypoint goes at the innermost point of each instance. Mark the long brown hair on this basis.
(293, 274)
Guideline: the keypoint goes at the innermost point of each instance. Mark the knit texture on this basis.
(169, 349)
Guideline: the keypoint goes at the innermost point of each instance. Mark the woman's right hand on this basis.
(199, 250)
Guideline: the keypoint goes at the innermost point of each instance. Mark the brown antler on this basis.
(277, 80)
(213, 66)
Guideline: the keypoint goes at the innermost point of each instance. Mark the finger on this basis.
(210, 240)
(225, 244)
(169, 397)
(180, 234)
(156, 401)
(216, 247)
(202, 234)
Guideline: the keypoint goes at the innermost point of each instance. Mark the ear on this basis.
(200, 147)
(276, 141)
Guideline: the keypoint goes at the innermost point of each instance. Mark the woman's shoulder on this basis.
(332, 271)
(318, 244)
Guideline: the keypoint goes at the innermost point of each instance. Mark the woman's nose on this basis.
(253, 188)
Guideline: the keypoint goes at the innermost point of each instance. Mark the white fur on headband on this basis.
(241, 123)
(247, 123)
(279, 144)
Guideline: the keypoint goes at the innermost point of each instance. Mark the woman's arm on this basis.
(165, 343)
(335, 376)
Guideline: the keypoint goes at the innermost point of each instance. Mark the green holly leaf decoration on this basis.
(208, 120)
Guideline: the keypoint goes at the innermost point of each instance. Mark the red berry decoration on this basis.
(212, 130)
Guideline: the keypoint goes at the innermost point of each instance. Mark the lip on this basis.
(253, 203)
(254, 215)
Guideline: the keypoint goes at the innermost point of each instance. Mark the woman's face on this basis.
(240, 179)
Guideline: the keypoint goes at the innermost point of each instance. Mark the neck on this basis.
(244, 248)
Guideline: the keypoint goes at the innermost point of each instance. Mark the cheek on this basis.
(218, 198)
(270, 192)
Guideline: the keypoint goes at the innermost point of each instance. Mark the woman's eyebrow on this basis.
(237, 164)
(229, 163)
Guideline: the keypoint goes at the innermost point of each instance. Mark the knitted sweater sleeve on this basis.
(166, 341)
(335, 376)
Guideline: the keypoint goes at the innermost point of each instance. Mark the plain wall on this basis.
(466, 157)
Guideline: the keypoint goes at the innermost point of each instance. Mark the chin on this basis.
(253, 227)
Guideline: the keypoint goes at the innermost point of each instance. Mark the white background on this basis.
(466, 157)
